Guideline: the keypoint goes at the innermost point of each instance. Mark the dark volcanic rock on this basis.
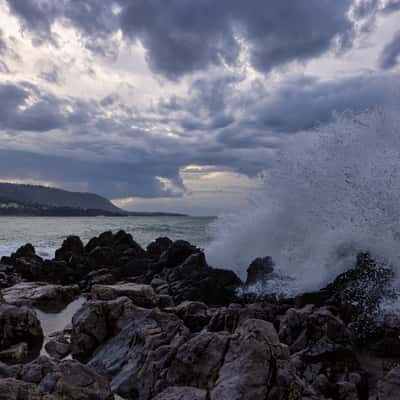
(20, 325)
(158, 247)
(194, 280)
(260, 270)
(48, 298)
(71, 247)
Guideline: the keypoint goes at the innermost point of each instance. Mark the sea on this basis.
(48, 233)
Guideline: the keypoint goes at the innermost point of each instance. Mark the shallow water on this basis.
(55, 322)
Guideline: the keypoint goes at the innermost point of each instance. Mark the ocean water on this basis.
(47, 233)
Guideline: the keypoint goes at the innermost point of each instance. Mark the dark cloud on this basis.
(390, 55)
(17, 114)
(182, 37)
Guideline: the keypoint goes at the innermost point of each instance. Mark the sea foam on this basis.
(331, 193)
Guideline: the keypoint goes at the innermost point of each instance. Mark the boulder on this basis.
(136, 358)
(15, 354)
(48, 298)
(72, 246)
(141, 295)
(193, 313)
(177, 253)
(64, 380)
(260, 271)
(194, 280)
(58, 346)
(249, 366)
(158, 247)
(20, 325)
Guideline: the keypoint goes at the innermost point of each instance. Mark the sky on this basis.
(178, 105)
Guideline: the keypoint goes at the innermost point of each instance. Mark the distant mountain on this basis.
(52, 197)
(32, 200)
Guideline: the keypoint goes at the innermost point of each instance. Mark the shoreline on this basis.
(200, 332)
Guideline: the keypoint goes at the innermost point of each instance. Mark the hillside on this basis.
(52, 197)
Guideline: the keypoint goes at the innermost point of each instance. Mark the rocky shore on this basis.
(161, 324)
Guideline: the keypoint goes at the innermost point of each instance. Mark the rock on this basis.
(249, 365)
(182, 393)
(158, 246)
(96, 321)
(193, 314)
(20, 325)
(48, 298)
(15, 354)
(101, 257)
(25, 251)
(13, 389)
(389, 387)
(59, 346)
(65, 380)
(194, 280)
(177, 253)
(141, 295)
(89, 329)
(198, 361)
(72, 246)
(260, 270)
(135, 358)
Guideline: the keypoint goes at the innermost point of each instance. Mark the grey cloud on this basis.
(391, 53)
(182, 37)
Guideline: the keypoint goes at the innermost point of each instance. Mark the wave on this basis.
(330, 193)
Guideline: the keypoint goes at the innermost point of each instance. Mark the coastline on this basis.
(159, 323)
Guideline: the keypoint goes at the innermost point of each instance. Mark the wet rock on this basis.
(177, 253)
(158, 246)
(72, 246)
(15, 354)
(48, 298)
(182, 393)
(260, 270)
(194, 280)
(59, 345)
(141, 295)
(20, 325)
(101, 257)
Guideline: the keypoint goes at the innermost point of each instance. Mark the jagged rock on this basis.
(13, 389)
(59, 346)
(194, 280)
(389, 387)
(72, 246)
(65, 380)
(193, 313)
(198, 361)
(260, 270)
(97, 321)
(48, 298)
(158, 246)
(141, 295)
(15, 354)
(20, 325)
(182, 393)
(101, 257)
(135, 358)
(249, 366)
(177, 253)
